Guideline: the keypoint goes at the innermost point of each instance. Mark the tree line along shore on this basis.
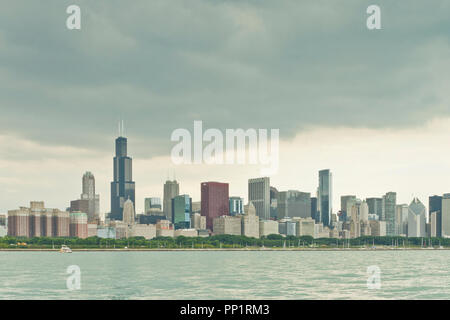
(222, 242)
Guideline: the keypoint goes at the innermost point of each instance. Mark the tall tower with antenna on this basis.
(122, 186)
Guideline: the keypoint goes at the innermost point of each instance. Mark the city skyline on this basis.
(379, 122)
(245, 195)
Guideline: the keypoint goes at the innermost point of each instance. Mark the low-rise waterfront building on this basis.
(378, 228)
(306, 227)
(164, 228)
(186, 233)
(78, 225)
(37, 221)
(106, 232)
(148, 231)
(227, 225)
(198, 221)
(267, 227)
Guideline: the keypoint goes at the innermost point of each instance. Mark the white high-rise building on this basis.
(433, 224)
(416, 219)
(364, 212)
(128, 213)
(250, 222)
(445, 228)
(401, 216)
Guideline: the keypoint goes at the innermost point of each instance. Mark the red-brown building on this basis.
(214, 201)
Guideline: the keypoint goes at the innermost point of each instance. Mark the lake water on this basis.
(226, 275)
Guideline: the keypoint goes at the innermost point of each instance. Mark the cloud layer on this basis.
(159, 65)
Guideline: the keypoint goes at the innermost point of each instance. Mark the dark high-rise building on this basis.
(293, 203)
(388, 213)
(325, 197)
(375, 207)
(214, 201)
(435, 205)
(122, 187)
(313, 207)
(346, 206)
(273, 203)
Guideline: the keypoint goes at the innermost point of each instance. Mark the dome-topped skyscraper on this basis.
(128, 212)
(416, 219)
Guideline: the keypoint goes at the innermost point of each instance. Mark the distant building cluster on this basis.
(37, 221)
(268, 211)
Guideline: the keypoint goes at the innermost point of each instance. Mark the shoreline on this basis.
(223, 249)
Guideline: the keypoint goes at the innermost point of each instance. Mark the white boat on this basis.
(65, 249)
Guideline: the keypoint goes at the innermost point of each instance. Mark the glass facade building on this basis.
(181, 211)
(375, 207)
(325, 197)
(236, 206)
(313, 207)
(435, 205)
(346, 204)
(152, 203)
(388, 214)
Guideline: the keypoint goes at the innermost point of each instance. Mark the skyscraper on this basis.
(236, 206)
(364, 212)
(435, 205)
(171, 190)
(152, 203)
(129, 215)
(388, 213)
(325, 197)
(273, 203)
(445, 216)
(313, 207)
(89, 194)
(214, 201)
(259, 194)
(181, 211)
(375, 207)
(89, 202)
(294, 203)
(416, 219)
(122, 187)
(401, 217)
(346, 204)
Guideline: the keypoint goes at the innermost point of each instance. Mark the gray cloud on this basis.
(159, 65)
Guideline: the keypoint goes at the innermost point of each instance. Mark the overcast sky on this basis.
(372, 106)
